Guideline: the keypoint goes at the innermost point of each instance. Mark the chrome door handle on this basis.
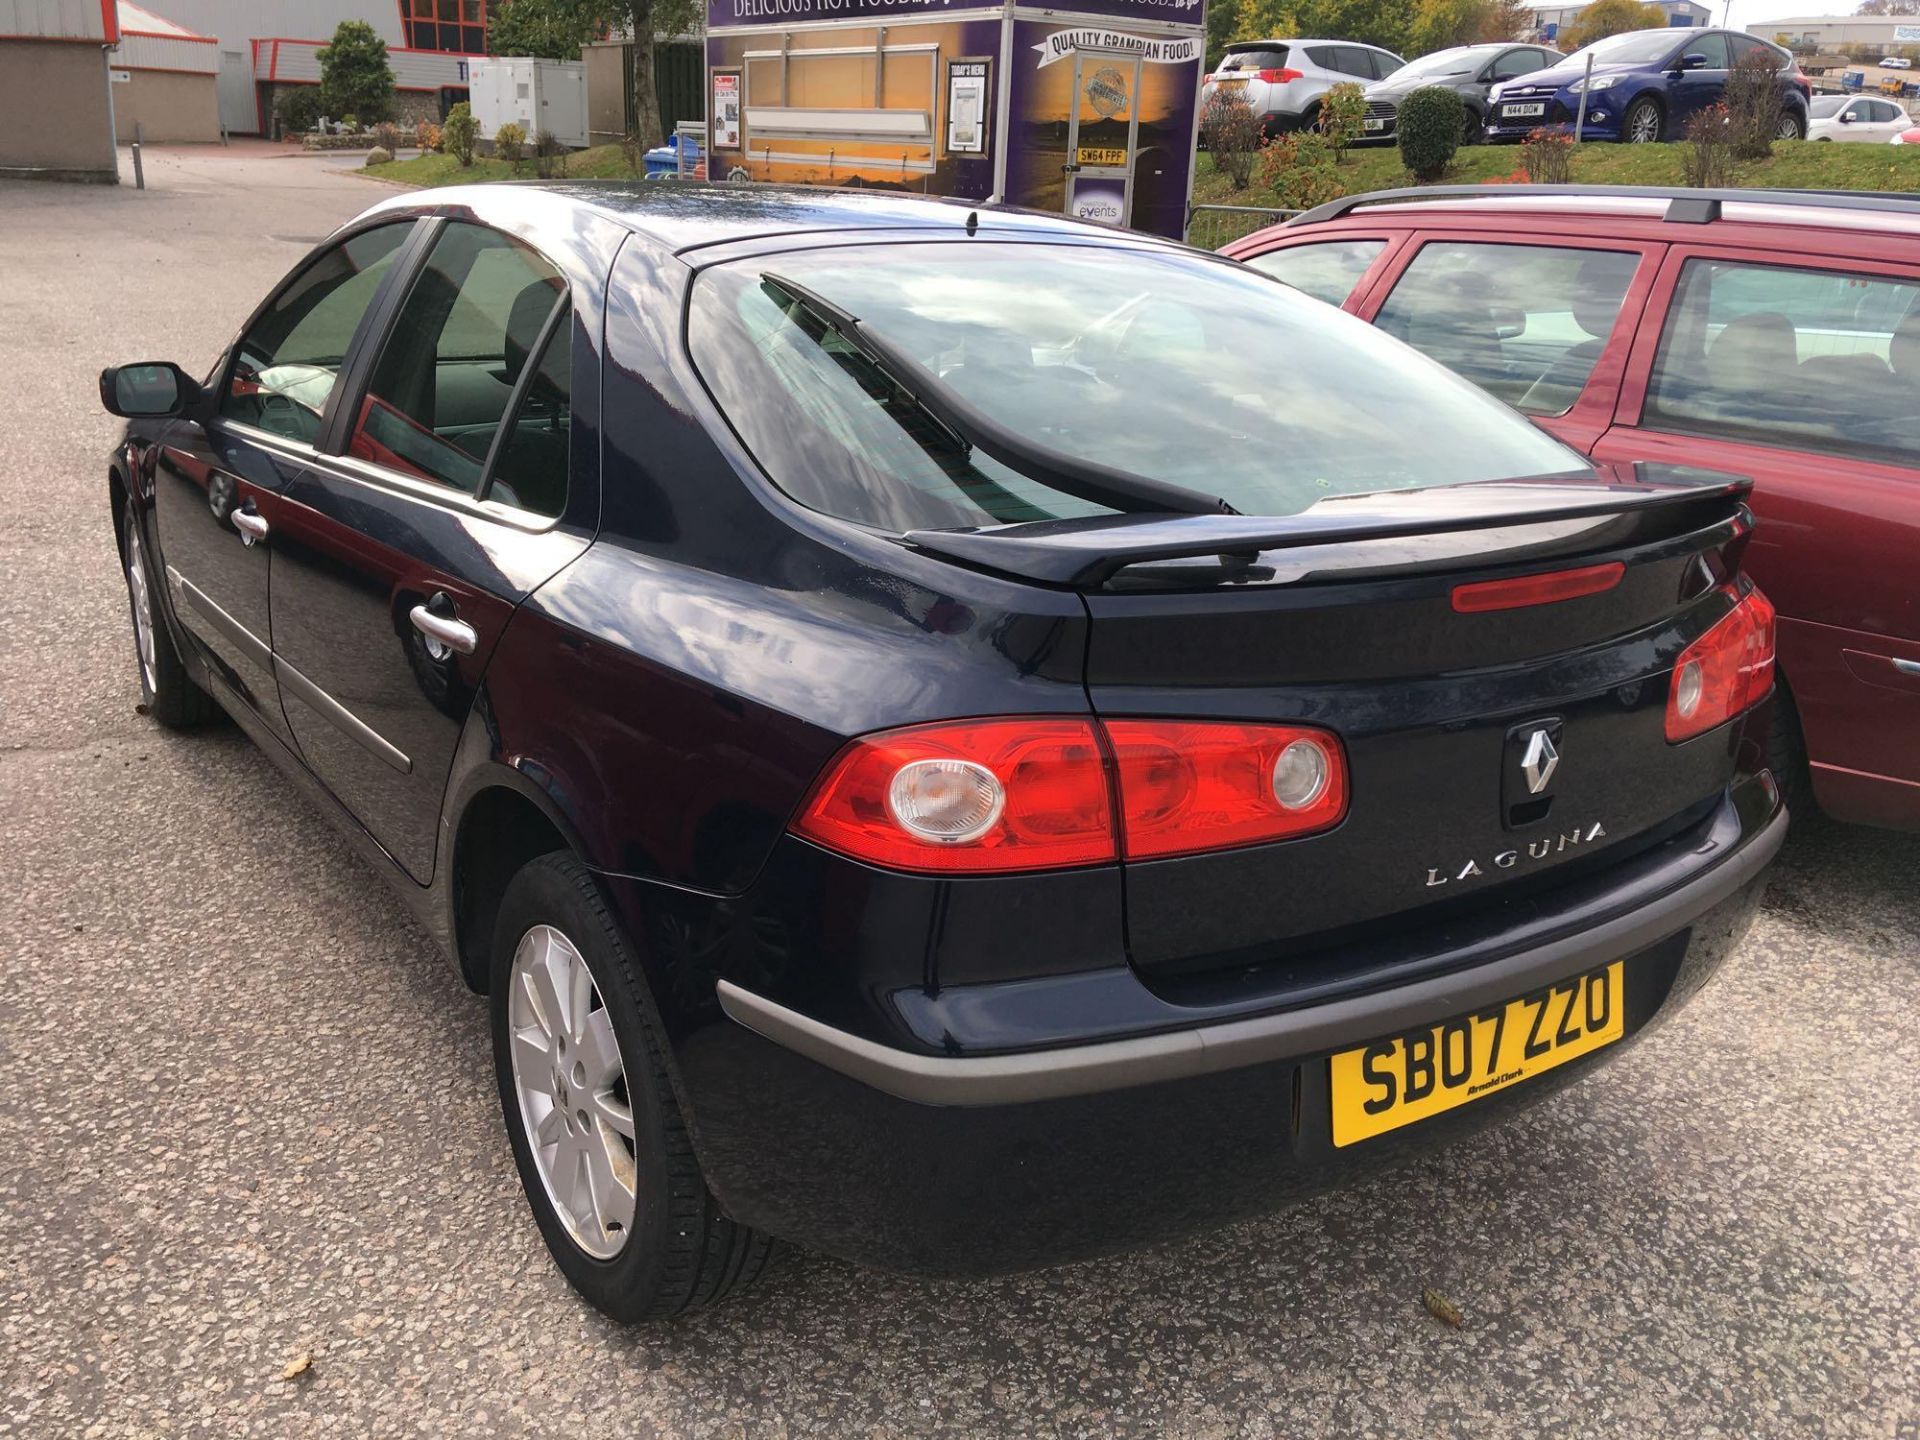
(1907, 667)
(449, 635)
(251, 524)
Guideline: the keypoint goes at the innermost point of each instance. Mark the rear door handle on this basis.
(450, 635)
(251, 524)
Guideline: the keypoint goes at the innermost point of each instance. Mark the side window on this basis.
(530, 470)
(286, 364)
(1327, 271)
(1324, 56)
(1525, 322)
(448, 372)
(1383, 64)
(1352, 60)
(1804, 359)
(1516, 63)
(1714, 47)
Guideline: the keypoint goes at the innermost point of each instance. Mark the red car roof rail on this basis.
(1692, 207)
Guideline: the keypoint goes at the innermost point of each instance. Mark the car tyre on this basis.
(1472, 129)
(1641, 126)
(1791, 126)
(167, 692)
(641, 1236)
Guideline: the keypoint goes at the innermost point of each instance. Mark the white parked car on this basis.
(1284, 80)
(1856, 117)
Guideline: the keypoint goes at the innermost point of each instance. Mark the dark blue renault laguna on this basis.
(947, 735)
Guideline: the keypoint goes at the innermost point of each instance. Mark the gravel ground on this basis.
(247, 1121)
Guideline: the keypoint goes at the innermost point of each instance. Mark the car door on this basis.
(1691, 91)
(1803, 371)
(1544, 325)
(448, 489)
(219, 480)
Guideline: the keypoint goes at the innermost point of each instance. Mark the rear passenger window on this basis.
(451, 367)
(1805, 359)
(1327, 271)
(1525, 322)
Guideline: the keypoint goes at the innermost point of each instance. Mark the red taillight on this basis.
(1544, 589)
(1280, 77)
(979, 796)
(974, 795)
(1188, 785)
(1727, 670)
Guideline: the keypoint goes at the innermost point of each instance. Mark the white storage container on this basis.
(534, 94)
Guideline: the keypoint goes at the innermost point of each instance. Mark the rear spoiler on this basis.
(1087, 553)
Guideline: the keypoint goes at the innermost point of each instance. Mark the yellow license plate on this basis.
(1391, 1083)
(1108, 158)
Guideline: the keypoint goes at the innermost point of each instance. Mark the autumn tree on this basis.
(550, 27)
(1610, 17)
(1372, 22)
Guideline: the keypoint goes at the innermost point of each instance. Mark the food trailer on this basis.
(1090, 110)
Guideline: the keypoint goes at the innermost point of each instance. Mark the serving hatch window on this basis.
(1179, 369)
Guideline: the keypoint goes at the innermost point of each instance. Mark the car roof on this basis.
(1301, 40)
(1700, 211)
(687, 215)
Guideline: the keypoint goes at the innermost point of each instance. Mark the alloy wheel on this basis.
(1646, 125)
(1787, 129)
(572, 1089)
(142, 610)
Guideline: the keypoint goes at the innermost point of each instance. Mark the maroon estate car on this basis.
(1771, 333)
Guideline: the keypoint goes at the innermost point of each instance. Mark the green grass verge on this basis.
(1799, 165)
(602, 162)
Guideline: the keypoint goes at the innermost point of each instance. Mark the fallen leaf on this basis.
(1441, 1308)
(303, 1362)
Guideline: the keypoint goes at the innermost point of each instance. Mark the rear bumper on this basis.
(976, 1164)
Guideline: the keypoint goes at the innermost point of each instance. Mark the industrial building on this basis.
(56, 89)
(1550, 19)
(165, 86)
(268, 46)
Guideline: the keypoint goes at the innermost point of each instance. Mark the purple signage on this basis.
(724, 13)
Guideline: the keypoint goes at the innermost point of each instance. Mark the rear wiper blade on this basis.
(966, 422)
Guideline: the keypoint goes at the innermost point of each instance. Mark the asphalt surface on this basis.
(247, 1120)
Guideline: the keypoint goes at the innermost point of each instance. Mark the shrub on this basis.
(1754, 106)
(549, 155)
(427, 135)
(1232, 132)
(1707, 162)
(298, 109)
(354, 73)
(387, 137)
(350, 124)
(1429, 126)
(510, 143)
(1343, 116)
(379, 155)
(459, 132)
(1299, 169)
(1547, 157)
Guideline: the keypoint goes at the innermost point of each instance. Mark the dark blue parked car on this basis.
(924, 759)
(1644, 86)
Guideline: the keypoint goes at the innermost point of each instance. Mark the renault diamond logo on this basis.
(1539, 761)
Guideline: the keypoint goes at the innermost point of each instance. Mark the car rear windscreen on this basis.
(1273, 57)
(1179, 368)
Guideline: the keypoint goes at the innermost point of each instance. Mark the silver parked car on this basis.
(1284, 80)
